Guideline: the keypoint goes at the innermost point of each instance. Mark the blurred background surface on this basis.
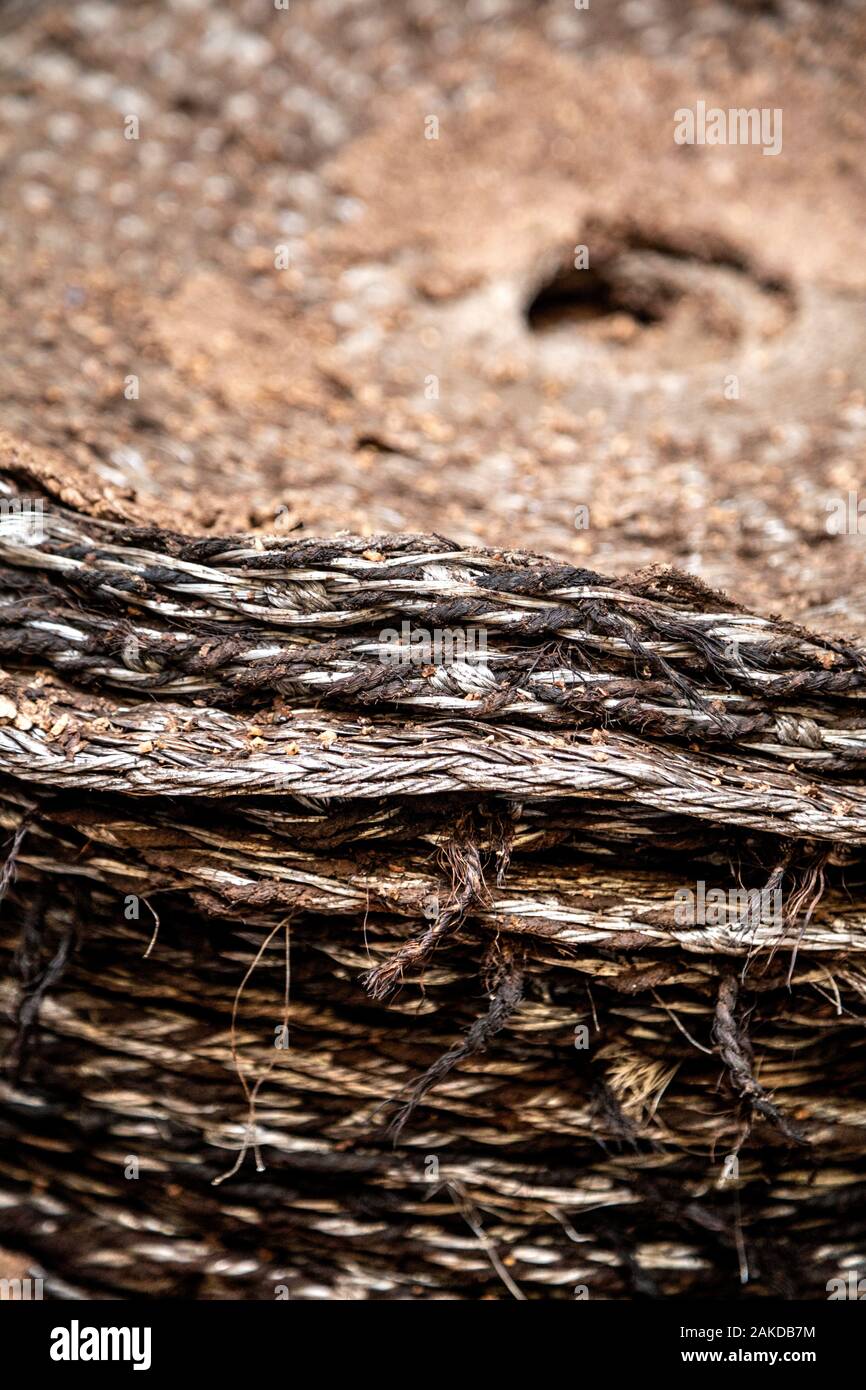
(314, 267)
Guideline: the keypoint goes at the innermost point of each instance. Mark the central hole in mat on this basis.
(686, 301)
(581, 296)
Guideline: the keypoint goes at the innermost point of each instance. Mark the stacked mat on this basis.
(389, 919)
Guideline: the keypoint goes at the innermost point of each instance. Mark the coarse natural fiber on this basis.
(330, 974)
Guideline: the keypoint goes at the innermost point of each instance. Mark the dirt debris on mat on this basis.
(431, 688)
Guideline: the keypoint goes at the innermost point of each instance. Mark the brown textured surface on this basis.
(427, 875)
(297, 401)
(305, 388)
